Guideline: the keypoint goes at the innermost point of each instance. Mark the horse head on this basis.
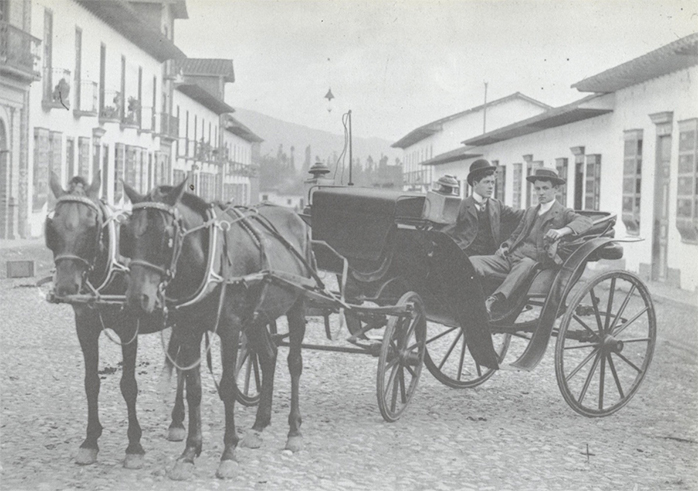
(152, 238)
(73, 231)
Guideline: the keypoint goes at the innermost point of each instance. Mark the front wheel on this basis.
(401, 357)
(605, 343)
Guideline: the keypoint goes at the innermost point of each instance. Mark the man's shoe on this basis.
(489, 304)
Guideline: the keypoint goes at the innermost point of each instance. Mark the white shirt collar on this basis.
(544, 207)
(479, 199)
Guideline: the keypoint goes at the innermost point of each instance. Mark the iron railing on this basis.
(19, 50)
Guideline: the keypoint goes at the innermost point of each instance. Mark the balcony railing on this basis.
(57, 87)
(87, 99)
(19, 52)
(111, 107)
(132, 113)
(169, 126)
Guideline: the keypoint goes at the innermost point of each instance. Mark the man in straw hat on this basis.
(478, 228)
(541, 226)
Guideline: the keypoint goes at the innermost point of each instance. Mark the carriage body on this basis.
(391, 249)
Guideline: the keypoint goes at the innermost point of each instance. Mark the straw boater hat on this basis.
(543, 174)
(477, 168)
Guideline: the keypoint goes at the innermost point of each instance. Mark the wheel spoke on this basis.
(401, 380)
(583, 393)
(584, 325)
(440, 335)
(453, 345)
(581, 365)
(615, 375)
(636, 340)
(628, 362)
(626, 300)
(622, 327)
(391, 363)
(581, 346)
(609, 305)
(602, 379)
(409, 369)
(462, 359)
(597, 314)
(393, 399)
(391, 380)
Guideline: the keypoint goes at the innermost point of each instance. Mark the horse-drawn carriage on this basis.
(407, 293)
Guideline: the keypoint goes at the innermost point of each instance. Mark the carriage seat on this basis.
(357, 222)
(603, 223)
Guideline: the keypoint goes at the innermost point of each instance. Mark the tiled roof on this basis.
(461, 153)
(204, 97)
(588, 107)
(124, 19)
(435, 126)
(678, 55)
(207, 66)
(239, 129)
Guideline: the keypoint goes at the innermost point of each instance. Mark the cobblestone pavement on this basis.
(515, 432)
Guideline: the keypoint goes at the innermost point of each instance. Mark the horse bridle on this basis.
(101, 223)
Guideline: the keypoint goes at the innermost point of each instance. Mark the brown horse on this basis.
(175, 235)
(82, 234)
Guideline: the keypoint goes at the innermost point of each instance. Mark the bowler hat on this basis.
(478, 167)
(544, 174)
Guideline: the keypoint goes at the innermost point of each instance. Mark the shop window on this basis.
(119, 171)
(687, 190)
(561, 165)
(531, 198)
(593, 182)
(500, 181)
(632, 180)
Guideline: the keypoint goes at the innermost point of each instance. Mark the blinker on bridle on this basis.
(69, 198)
(175, 240)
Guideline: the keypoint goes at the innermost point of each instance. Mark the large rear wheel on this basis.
(401, 357)
(605, 343)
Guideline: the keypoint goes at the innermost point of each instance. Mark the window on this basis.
(119, 171)
(122, 99)
(78, 67)
(687, 192)
(70, 157)
(83, 156)
(516, 194)
(48, 55)
(632, 180)
(102, 75)
(41, 166)
(531, 198)
(500, 181)
(593, 182)
(561, 166)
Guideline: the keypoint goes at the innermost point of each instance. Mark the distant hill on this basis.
(323, 144)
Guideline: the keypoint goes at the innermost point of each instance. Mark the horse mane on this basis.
(188, 199)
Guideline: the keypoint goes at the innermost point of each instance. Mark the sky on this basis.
(400, 64)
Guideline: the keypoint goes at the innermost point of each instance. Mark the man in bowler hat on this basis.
(481, 218)
(542, 225)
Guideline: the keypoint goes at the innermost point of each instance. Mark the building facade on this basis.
(19, 69)
(440, 140)
(629, 148)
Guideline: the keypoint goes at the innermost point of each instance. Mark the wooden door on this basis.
(660, 232)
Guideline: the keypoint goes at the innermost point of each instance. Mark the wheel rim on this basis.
(605, 343)
(449, 360)
(401, 358)
(247, 374)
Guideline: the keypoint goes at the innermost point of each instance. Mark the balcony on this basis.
(147, 120)
(132, 114)
(87, 99)
(19, 53)
(56, 88)
(110, 112)
(169, 126)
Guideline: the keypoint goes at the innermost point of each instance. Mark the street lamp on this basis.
(346, 121)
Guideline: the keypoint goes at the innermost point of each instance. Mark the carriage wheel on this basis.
(605, 343)
(449, 360)
(401, 358)
(248, 373)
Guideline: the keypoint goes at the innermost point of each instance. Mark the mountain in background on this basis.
(324, 145)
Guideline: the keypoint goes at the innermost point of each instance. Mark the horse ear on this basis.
(132, 194)
(173, 196)
(93, 190)
(56, 187)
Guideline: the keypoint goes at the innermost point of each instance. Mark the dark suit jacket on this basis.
(557, 217)
(503, 219)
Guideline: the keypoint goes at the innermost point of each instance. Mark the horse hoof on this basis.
(227, 469)
(133, 461)
(176, 434)
(181, 471)
(86, 456)
(294, 443)
(253, 439)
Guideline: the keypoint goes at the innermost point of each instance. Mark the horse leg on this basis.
(226, 390)
(88, 335)
(296, 329)
(263, 344)
(175, 432)
(129, 390)
(184, 466)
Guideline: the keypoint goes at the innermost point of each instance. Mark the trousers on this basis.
(516, 267)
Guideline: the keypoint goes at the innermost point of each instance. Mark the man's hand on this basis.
(556, 234)
(502, 251)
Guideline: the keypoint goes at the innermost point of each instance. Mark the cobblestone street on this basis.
(515, 432)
